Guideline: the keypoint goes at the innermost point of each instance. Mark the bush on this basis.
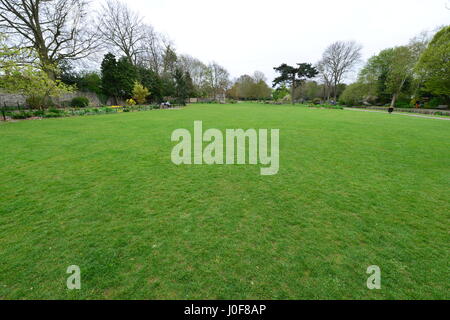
(130, 102)
(402, 104)
(354, 94)
(286, 99)
(79, 102)
(38, 113)
(21, 115)
(140, 93)
(434, 103)
(39, 102)
(54, 113)
(317, 101)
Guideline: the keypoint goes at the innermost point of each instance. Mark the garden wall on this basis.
(11, 100)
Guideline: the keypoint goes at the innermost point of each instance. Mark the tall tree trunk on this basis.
(335, 91)
(394, 100)
(293, 90)
(47, 65)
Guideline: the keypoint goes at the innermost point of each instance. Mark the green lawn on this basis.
(354, 189)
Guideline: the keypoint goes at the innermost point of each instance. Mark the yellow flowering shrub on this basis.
(131, 102)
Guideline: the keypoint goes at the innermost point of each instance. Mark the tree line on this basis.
(416, 74)
(46, 44)
(57, 37)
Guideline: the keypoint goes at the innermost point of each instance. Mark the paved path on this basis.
(401, 113)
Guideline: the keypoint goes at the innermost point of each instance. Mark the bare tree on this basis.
(56, 29)
(341, 57)
(122, 29)
(259, 76)
(151, 49)
(197, 69)
(326, 76)
(218, 79)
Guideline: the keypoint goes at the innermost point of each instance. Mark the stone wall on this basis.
(12, 100)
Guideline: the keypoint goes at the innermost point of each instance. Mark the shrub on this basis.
(317, 101)
(354, 94)
(286, 99)
(38, 102)
(21, 115)
(38, 113)
(109, 110)
(54, 113)
(403, 104)
(434, 103)
(140, 93)
(130, 102)
(79, 102)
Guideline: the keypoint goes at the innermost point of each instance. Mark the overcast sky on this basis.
(249, 35)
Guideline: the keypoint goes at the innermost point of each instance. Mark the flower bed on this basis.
(72, 112)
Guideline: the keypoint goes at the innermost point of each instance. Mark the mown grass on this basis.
(354, 189)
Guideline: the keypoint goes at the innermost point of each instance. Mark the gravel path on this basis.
(401, 113)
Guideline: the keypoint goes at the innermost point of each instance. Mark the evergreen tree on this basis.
(294, 76)
(153, 82)
(127, 76)
(118, 77)
(110, 76)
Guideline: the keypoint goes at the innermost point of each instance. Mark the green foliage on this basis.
(34, 84)
(153, 82)
(38, 101)
(38, 113)
(130, 102)
(317, 101)
(354, 94)
(286, 99)
(110, 76)
(90, 82)
(29, 80)
(435, 102)
(400, 69)
(434, 64)
(127, 76)
(389, 74)
(324, 106)
(21, 115)
(247, 88)
(375, 73)
(79, 102)
(140, 93)
(294, 76)
(280, 93)
(118, 77)
(83, 81)
(181, 86)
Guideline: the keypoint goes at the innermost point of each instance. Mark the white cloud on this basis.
(249, 35)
